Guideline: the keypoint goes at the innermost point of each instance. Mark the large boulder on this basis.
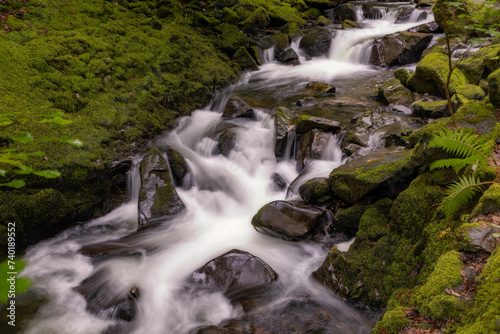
(373, 175)
(244, 59)
(158, 199)
(316, 42)
(494, 88)
(399, 49)
(293, 220)
(431, 109)
(234, 271)
(431, 74)
(289, 57)
(316, 191)
(480, 64)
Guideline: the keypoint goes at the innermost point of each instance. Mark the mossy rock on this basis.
(374, 223)
(478, 115)
(244, 60)
(258, 19)
(292, 30)
(349, 218)
(178, 165)
(232, 38)
(415, 207)
(392, 322)
(471, 92)
(323, 21)
(284, 14)
(158, 199)
(311, 14)
(484, 315)
(394, 92)
(281, 42)
(402, 74)
(323, 4)
(431, 300)
(494, 88)
(431, 73)
(431, 109)
(316, 42)
(377, 175)
(316, 191)
(481, 63)
(489, 201)
(349, 24)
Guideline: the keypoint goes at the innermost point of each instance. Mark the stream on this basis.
(221, 197)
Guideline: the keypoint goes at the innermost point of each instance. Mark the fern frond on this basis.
(459, 193)
(462, 144)
(456, 164)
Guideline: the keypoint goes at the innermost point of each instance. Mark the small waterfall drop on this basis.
(268, 55)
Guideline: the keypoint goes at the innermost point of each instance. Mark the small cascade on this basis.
(268, 55)
(291, 144)
(417, 15)
(332, 151)
(359, 13)
(375, 141)
(294, 45)
(134, 182)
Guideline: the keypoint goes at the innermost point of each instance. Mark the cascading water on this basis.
(225, 192)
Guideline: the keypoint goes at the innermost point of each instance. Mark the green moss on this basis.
(475, 112)
(292, 30)
(392, 322)
(311, 14)
(281, 42)
(402, 74)
(415, 207)
(243, 58)
(258, 19)
(494, 87)
(323, 21)
(232, 38)
(431, 73)
(374, 223)
(489, 201)
(349, 218)
(484, 315)
(471, 92)
(349, 24)
(431, 299)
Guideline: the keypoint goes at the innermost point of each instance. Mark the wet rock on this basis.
(494, 88)
(316, 191)
(278, 182)
(308, 101)
(405, 14)
(393, 92)
(307, 123)
(158, 199)
(317, 42)
(350, 24)
(431, 109)
(371, 12)
(402, 109)
(399, 49)
(226, 142)
(178, 166)
(107, 297)
(289, 57)
(331, 276)
(281, 42)
(480, 236)
(351, 149)
(233, 272)
(427, 28)
(293, 221)
(237, 108)
(313, 144)
(402, 74)
(344, 12)
(315, 87)
(283, 124)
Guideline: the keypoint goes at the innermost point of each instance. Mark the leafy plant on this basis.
(14, 162)
(469, 150)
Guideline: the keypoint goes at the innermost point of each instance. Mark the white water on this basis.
(226, 193)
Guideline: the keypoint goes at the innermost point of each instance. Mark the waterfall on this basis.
(359, 13)
(268, 55)
(225, 192)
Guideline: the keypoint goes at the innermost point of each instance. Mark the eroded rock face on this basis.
(232, 272)
(158, 199)
(288, 220)
(283, 124)
(289, 57)
(399, 49)
(313, 144)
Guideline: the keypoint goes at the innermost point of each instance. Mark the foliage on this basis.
(468, 150)
(14, 162)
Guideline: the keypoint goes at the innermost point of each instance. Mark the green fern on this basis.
(464, 145)
(469, 150)
(459, 193)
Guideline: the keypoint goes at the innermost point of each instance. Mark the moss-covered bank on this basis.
(121, 71)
